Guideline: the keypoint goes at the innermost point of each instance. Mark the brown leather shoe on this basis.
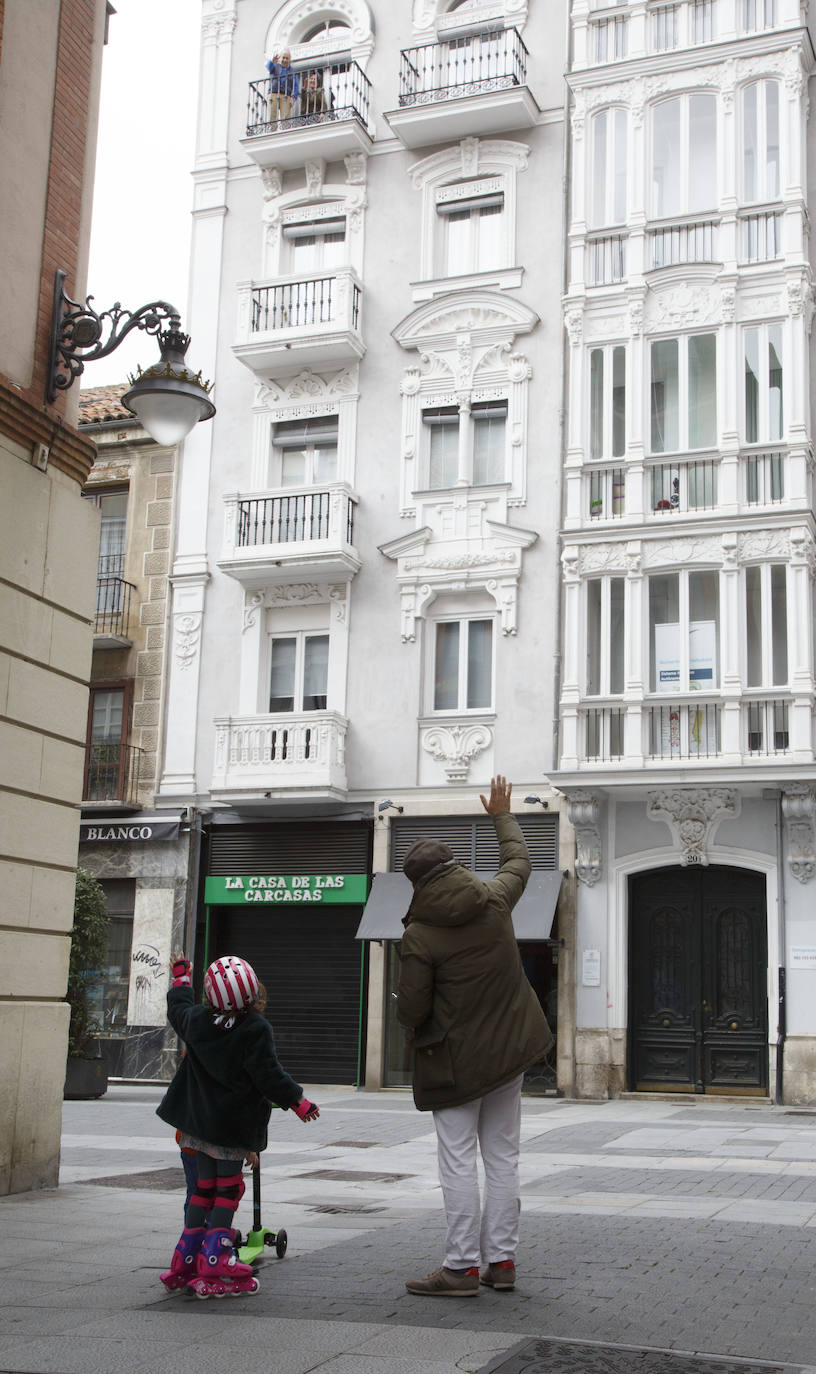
(501, 1276)
(446, 1283)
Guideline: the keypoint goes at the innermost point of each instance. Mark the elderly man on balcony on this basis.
(283, 86)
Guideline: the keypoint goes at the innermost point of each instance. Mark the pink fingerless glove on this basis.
(306, 1110)
(181, 973)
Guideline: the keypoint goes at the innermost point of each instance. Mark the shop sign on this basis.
(103, 832)
(277, 888)
(803, 956)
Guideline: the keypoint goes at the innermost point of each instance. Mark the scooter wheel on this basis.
(281, 1241)
(239, 1240)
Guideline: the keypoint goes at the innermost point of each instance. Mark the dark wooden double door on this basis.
(698, 1011)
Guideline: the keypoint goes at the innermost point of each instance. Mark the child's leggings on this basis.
(219, 1189)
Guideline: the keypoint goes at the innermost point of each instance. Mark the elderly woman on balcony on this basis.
(282, 88)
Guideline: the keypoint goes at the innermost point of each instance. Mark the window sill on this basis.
(500, 278)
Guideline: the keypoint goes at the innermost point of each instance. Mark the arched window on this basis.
(684, 155)
(760, 141)
(608, 197)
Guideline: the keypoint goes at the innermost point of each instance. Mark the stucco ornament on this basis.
(454, 746)
(799, 811)
(582, 812)
(692, 815)
(272, 182)
(187, 636)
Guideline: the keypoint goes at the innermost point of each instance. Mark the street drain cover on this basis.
(572, 1357)
(350, 1144)
(354, 1176)
(337, 1209)
(156, 1180)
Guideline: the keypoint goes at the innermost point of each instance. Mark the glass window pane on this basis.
(702, 388)
(664, 632)
(751, 385)
(490, 226)
(779, 624)
(479, 663)
(106, 716)
(666, 181)
(596, 407)
(703, 630)
(113, 509)
(618, 402)
(753, 626)
(594, 637)
(282, 675)
(665, 396)
(334, 250)
(315, 672)
(750, 141)
(702, 152)
(616, 633)
(459, 254)
(488, 447)
(775, 408)
(293, 467)
(598, 208)
(444, 453)
(772, 147)
(325, 463)
(619, 168)
(446, 666)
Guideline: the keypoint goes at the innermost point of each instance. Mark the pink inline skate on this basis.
(183, 1264)
(219, 1272)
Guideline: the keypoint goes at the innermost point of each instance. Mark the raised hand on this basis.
(500, 792)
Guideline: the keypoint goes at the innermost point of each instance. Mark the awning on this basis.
(391, 893)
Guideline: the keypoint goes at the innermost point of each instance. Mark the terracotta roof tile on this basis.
(98, 404)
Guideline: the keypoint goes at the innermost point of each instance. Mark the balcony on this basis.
(295, 322)
(328, 119)
(112, 771)
(286, 753)
(686, 242)
(290, 533)
(112, 615)
(463, 87)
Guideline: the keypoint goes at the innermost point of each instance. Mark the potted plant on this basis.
(86, 1070)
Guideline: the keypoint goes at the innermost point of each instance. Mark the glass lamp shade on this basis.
(168, 415)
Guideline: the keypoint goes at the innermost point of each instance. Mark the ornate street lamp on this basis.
(168, 398)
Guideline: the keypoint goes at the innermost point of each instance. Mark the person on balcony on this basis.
(475, 1024)
(283, 86)
(314, 99)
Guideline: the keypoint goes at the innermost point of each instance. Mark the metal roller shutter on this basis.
(473, 839)
(291, 848)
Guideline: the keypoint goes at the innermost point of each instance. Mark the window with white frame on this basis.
(605, 636)
(760, 141)
(764, 408)
(466, 447)
(471, 228)
(299, 672)
(463, 665)
(683, 392)
(607, 401)
(684, 615)
(684, 155)
(315, 245)
(766, 625)
(609, 175)
(304, 452)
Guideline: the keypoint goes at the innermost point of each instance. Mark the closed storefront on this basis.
(288, 897)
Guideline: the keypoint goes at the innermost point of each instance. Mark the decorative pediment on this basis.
(471, 157)
(692, 815)
(484, 317)
(306, 384)
(297, 17)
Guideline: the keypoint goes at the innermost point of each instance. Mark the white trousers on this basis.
(479, 1234)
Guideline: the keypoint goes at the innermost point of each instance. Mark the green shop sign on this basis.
(277, 888)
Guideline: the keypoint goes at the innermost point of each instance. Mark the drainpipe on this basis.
(781, 1025)
(565, 217)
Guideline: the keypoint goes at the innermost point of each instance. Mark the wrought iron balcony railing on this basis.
(290, 519)
(112, 771)
(326, 94)
(468, 65)
(302, 304)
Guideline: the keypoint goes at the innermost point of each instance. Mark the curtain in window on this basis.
(446, 666)
(480, 659)
(443, 463)
(489, 425)
(315, 672)
(282, 675)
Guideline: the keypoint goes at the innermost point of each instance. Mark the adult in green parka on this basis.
(475, 1025)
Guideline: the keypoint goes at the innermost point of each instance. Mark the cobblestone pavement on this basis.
(682, 1227)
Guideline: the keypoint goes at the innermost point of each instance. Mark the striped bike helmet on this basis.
(230, 984)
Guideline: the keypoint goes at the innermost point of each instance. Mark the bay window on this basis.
(605, 636)
(684, 632)
(766, 626)
(607, 402)
(684, 155)
(764, 411)
(683, 393)
(608, 198)
(299, 670)
(760, 141)
(463, 665)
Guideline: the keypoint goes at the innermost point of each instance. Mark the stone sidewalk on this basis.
(662, 1225)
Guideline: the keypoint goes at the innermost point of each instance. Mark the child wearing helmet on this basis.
(220, 1100)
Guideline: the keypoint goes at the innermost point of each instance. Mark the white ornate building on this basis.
(365, 588)
(686, 743)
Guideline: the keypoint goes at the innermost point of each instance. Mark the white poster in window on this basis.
(667, 658)
(702, 655)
